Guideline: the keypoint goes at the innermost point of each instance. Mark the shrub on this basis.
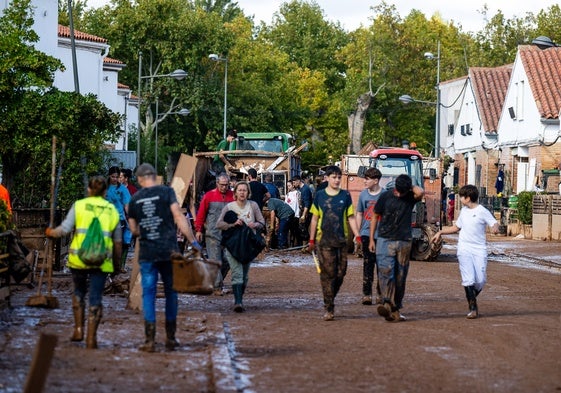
(525, 201)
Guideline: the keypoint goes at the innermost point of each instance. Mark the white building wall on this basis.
(45, 16)
(89, 57)
(451, 98)
(521, 124)
(469, 129)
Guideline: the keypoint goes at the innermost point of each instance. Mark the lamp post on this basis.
(430, 56)
(181, 112)
(215, 57)
(177, 75)
(544, 42)
(407, 99)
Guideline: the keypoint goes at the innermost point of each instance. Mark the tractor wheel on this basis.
(423, 249)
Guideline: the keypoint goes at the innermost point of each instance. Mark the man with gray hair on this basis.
(209, 210)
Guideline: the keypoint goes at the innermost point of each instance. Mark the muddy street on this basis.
(282, 344)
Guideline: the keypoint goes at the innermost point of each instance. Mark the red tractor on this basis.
(392, 162)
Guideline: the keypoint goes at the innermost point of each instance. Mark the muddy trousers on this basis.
(215, 252)
(333, 265)
(240, 276)
(368, 267)
(92, 282)
(392, 257)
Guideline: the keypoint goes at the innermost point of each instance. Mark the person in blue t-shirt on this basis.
(364, 212)
(119, 195)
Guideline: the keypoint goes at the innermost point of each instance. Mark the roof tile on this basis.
(543, 68)
(490, 85)
(64, 31)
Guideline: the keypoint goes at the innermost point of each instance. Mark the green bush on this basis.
(525, 200)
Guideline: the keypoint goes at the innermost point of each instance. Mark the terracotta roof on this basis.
(543, 68)
(122, 86)
(109, 60)
(64, 31)
(490, 85)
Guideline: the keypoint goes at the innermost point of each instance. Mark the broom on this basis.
(40, 300)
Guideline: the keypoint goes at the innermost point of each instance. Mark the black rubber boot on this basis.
(150, 332)
(238, 296)
(171, 342)
(124, 256)
(78, 308)
(94, 318)
(472, 302)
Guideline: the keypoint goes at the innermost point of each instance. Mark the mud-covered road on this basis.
(281, 344)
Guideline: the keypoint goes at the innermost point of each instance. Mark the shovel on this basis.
(40, 300)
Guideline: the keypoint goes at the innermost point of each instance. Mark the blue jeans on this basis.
(149, 278)
(283, 232)
(97, 283)
(393, 257)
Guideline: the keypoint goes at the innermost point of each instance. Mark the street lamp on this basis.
(215, 57)
(181, 112)
(177, 75)
(544, 42)
(430, 56)
(407, 99)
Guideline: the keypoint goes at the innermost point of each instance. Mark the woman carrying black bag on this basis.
(242, 231)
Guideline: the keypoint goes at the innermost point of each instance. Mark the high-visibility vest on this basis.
(86, 209)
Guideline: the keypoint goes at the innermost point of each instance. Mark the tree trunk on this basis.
(356, 122)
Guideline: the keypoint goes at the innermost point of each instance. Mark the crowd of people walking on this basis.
(229, 227)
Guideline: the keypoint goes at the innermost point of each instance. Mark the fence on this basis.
(546, 217)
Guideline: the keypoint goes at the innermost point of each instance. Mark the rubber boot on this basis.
(124, 258)
(150, 332)
(472, 302)
(78, 308)
(238, 296)
(94, 318)
(171, 342)
(476, 291)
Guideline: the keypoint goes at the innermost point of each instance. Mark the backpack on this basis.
(93, 251)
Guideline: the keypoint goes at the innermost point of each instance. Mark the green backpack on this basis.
(93, 251)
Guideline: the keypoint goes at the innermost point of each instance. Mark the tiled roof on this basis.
(122, 86)
(489, 87)
(543, 68)
(109, 60)
(64, 31)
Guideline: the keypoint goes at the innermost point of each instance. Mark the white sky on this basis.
(353, 13)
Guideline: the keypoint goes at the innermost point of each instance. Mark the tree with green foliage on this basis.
(302, 73)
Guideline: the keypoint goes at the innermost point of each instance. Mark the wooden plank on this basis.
(182, 176)
(41, 363)
(135, 292)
